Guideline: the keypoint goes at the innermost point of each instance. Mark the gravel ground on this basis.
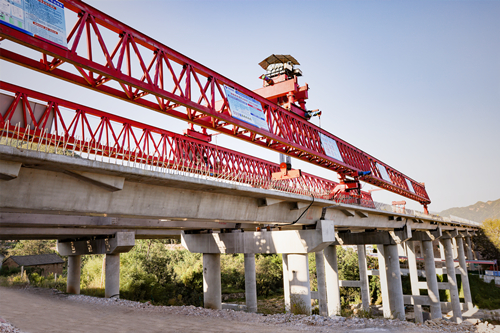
(227, 320)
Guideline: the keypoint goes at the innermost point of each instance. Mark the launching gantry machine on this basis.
(129, 65)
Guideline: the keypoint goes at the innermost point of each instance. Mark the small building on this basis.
(49, 263)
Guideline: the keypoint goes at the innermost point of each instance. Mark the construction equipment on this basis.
(171, 83)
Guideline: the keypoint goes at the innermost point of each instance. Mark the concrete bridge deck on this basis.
(59, 196)
(97, 207)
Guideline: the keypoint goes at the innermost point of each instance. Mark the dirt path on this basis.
(42, 311)
(46, 310)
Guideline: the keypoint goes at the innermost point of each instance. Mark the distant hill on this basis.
(477, 212)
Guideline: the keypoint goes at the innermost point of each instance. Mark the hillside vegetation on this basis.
(478, 212)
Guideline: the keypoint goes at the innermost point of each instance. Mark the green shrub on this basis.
(6, 271)
(485, 295)
(269, 274)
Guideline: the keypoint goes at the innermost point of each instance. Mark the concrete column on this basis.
(250, 283)
(465, 276)
(320, 273)
(455, 248)
(470, 254)
(363, 278)
(112, 285)
(74, 270)
(212, 296)
(383, 281)
(415, 291)
(432, 284)
(394, 284)
(452, 280)
(300, 289)
(441, 250)
(332, 280)
(286, 282)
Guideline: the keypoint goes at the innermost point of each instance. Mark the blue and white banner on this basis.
(330, 146)
(38, 18)
(246, 108)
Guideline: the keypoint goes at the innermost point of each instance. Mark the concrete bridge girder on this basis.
(353, 217)
(68, 185)
(374, 237)
(427, 235)
(120, 243)
(9, 170)
(284, 241)
(50, 226)
(107, 182)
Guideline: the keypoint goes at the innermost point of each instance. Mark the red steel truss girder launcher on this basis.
(171, 80)
(85, 129)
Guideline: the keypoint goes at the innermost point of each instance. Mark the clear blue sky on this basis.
(413, 83)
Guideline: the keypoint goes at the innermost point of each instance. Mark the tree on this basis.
(487, 239)
(33, 247)
(491, 228)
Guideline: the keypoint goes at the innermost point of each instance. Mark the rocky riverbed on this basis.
(235, 320)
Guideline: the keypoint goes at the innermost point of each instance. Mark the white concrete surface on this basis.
(452, 279)
(321, 278)
(431, 277)
(300, 290)
(394, 284)
(250, 283)
(74, 271)
(363, 278)
(332, 281)
(212, 297)
(282, 241)
(412, 263)
(112, 285)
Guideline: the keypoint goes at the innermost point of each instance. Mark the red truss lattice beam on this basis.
(171, 83)
(77, 127)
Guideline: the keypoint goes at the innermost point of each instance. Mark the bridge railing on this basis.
(45, 123)
(416, 213)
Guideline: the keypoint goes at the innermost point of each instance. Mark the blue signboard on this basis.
(330, 146)
(246, 108)
(39, 18)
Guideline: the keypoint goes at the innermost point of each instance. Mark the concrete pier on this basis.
(470, 253)
(300, 290)
(464, 273)
(363, 277)
(383, 281)
(412, 263)
(452, 280)
(394, 285)
(332, 280)
(320, 273)
(432, 284)
(250, 283)
(212, 297)
(286, 282)
(112, 286)
(74, 271)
